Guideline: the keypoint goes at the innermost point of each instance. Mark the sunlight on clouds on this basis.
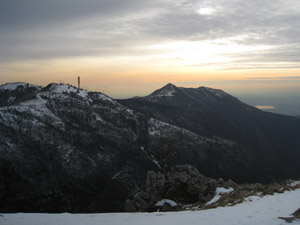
(207, 8)
(219, 51)
(206, 11)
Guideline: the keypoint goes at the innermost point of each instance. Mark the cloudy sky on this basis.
(131, 47)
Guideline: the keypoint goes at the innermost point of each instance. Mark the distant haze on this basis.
(265, 107)
(287, 105)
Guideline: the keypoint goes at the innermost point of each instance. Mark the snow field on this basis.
(265, 210)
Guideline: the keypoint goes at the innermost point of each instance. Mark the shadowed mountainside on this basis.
(64, 149)
(273, 139)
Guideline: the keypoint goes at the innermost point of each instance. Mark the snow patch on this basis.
(130, 112)
(166, 201)
(152, 158)
(252, 198)
(216, 92)
(98, 118)
(35, 107)
(67, 156)
(66, 88)
(168, 93)
(117, 175)
(156, 127)
(219, 192)
(11, 99)
(155, 161)
(162, 129)
(105, 98)
(294, 183)
(38, 102)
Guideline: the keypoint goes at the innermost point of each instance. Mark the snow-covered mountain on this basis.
(66, 149)
(11, 93)
(17, 85)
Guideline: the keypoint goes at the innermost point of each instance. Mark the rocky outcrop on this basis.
(187, 185)
(183, 184)
(153, 192)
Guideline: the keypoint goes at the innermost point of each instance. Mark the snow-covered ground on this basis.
(261, 211)
(13, 86)
(220, 191)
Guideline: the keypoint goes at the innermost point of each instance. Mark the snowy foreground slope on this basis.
(255, 210)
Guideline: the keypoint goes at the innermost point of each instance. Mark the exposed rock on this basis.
(153, 192)
(187, 185)
(228, 184)
(155, 183)
(183, 184)
(220, 181)
(253, 187)
(296, 214)
(287, 219)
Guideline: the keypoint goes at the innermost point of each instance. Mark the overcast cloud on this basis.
(44, 29)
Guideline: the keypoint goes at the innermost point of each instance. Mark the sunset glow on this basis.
(133, 48)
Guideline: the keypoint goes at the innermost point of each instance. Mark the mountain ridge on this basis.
(210, 112)
(66, 149)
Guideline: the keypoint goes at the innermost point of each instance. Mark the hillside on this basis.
(65, 149)
(272, 139)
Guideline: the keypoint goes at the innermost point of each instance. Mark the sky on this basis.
(127, 48)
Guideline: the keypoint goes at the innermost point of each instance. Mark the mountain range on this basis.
(272, 138)
(67, 149)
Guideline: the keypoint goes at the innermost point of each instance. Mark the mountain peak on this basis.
(202, 93)
(61, 88)
(169, 85)
(166, 91)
